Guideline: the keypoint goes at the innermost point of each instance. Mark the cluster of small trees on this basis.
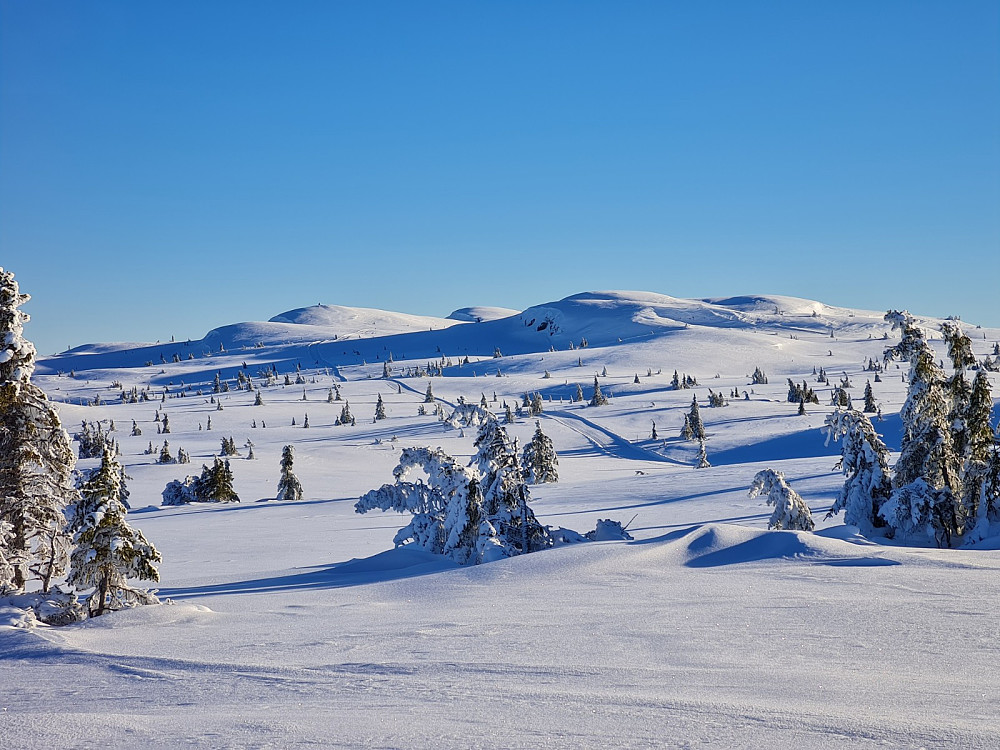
(681, 382)
(946, 482)
(474, 513)
(93, 438)
(798, 394)
(213, 485)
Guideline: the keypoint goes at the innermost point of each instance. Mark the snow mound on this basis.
(481, 314)
(770, 303)
(360, 322)
(714, 545)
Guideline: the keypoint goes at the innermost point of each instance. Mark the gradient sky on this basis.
(169, 167)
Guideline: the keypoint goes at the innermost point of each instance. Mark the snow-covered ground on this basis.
(299, 624)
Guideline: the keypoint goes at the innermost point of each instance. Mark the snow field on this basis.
(297, 624)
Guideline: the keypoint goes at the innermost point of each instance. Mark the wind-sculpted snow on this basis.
(720, 545)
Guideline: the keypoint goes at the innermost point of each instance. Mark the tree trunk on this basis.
(103, 595)
(50, 566)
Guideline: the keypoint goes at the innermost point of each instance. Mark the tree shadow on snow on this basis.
(809, 443)
(391, 565)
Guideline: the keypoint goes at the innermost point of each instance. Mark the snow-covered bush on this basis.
(918, 512)
(790, 510)
(607, 530)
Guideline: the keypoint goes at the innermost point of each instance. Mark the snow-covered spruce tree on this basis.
(870, 406)
(981, 470)
(598, 399)
(864, 461)
(578, 395)
(539, 458)
(215, 485)
(989, 495)
(959, 345)
(165, 457)
(932, 508)
(429, 395)
(108, 552)
(471, 538)
(36, 458)
(790, 510)
(919, 511)
(686, 431)
(536, 404)
(505, 493)
(379, 408)
(289, 487)
(702, 455)
(694, 419)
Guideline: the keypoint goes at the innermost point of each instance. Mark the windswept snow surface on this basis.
(298, 624)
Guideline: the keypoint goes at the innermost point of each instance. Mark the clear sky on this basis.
(169, 167)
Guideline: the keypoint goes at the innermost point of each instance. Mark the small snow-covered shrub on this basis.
(790, 510)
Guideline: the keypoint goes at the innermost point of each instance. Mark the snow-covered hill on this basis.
(299, 623)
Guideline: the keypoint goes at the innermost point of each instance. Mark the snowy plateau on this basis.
(300, 623)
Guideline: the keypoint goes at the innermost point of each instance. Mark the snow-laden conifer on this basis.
(289, 487)
(36, 458)
(217, 483)
(598, 399)
(505, 493)
(790, 510)
(870, 406)
(981, 470)
(694, 419)
(864, 461)
(919, 512)
(379, 408)
(686, 431)
(539, 458)
(702, 455)
(108, 552)
(931, 508)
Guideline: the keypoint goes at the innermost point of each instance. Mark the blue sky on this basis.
(169, 167)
